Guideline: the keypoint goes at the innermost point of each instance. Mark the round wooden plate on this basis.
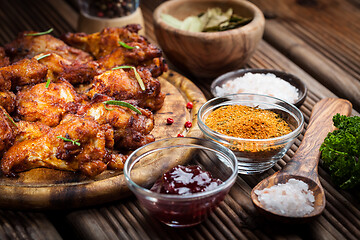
(43, 188)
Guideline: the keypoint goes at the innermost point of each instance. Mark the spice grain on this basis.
(247, 122)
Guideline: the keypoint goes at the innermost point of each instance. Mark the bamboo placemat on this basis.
(236, 218)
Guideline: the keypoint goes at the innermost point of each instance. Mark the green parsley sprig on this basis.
(340, 151)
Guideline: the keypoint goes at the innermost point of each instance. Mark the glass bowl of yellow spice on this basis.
(259, 129)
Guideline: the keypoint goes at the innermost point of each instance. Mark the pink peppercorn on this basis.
(188, 124)
(189, 105)
(169, 121)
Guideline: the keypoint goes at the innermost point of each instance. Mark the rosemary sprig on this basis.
(127, 46)
(42, 56)
(47, 83)
(39, 33)
(121, 103)
(75, 142)
(10, 119)
(137, 76)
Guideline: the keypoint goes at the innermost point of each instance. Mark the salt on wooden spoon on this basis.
(304, 164)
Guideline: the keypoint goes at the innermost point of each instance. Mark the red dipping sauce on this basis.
(183, 180)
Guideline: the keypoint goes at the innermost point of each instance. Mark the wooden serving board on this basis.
(43, 188)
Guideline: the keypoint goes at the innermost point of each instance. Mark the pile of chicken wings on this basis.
(76, 102)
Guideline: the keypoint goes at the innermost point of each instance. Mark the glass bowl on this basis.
(263, 153)
(230, 76)
(180, 210)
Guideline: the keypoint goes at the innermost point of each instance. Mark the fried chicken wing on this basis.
(26, 46)
(47, 104)
(7, 101)
(23, 72)
(83, 150)
(103, 43)
(123, 85)
(105, 47)
(75, 72)
(131, 130)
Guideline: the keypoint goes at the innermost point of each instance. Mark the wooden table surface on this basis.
(316, 40)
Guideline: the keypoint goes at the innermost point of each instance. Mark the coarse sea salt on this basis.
(260, 83)
(292, 199)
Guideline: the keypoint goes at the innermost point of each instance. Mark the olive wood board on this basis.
(43, 188)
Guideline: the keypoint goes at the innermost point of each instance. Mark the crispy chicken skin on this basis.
(29, 46)
(4, 60)
(116, 161)
(30, 130)
(7, 128)
(122, 85)
(7, 101)
(47, 105)
(103, 43)
(51, 151)
(23, 72)
(75, 72)
(105, 47)
(131, 130)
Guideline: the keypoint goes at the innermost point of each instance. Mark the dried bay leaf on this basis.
(210, 21)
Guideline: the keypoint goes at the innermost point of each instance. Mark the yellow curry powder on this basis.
(247, 122)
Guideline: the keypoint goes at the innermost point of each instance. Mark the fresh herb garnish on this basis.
(74, 142)
(121, 103)
(10, 119)
(127, 46)
(137, 76)
(39, 33)
(47, 83)
(42, 56)
(340, 151)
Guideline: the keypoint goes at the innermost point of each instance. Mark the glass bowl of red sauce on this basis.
(190, 177)
(259, 129)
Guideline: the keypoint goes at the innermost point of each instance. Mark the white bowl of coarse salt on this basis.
(261, 81)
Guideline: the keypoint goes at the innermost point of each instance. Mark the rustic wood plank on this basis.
(321, 37)
(123, 219)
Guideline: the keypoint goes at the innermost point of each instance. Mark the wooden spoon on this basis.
(304, 164)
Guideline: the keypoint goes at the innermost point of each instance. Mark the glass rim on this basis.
(222, 137)
(174, 197)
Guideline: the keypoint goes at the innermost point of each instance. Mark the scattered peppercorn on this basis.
(188, 124)
(169, 121)
(111, 8)
(180, 135)
(189, 105)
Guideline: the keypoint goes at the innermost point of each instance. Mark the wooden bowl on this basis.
(293, 80)
(208, 54)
